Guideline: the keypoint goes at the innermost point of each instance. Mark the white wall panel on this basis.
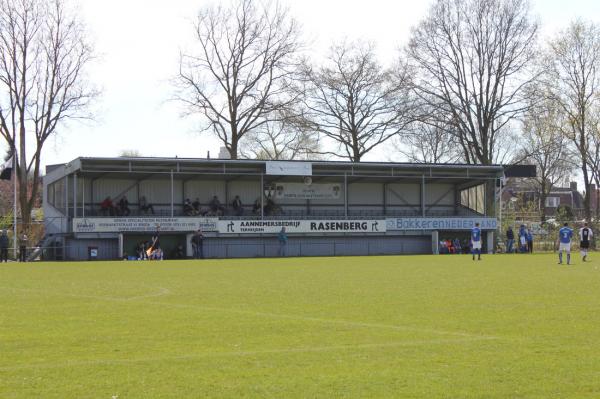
(443, 194)
(365, 193)
(411, 193)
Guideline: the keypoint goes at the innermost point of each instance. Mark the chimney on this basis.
(573, 186)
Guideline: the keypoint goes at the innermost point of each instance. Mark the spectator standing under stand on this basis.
(237, 206)
(145, 206)
(197, 245)
(443, 247)
(256, 207)
(270, 207)
(3, 246)
(106, 207)
(283, 239)
(188, 208)
(215, 206)
(196, 205)
(529, 236)
(510, 240)
(522, 239)
(457, 246)
(23, 248)
(124, 206)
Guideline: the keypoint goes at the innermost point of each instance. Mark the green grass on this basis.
(510, 326)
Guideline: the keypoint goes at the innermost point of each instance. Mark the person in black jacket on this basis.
(23, 248)
(197, 245)
(3, 246)
(510, 240)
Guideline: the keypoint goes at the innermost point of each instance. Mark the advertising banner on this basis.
(458, 223)
(300, 191)
(128, 224)
(287, 168)
(301, 226)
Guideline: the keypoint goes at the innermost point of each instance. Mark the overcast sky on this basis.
(138, 43)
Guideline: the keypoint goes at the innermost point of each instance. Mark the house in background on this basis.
(524, 194)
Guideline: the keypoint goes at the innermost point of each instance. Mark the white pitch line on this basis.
(161, 292)
(165, 291)
(329, 321)
(79, 363)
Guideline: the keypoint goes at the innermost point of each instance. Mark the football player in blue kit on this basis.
(476, 241)
(564, 238)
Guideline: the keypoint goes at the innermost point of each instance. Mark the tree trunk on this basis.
(586, 199)
(543, 196)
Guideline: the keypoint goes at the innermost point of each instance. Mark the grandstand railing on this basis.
(283, 213)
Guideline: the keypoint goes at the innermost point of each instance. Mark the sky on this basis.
(138, 43)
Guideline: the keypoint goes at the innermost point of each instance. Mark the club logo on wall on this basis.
(303, 191)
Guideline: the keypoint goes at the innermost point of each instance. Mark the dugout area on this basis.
(168, 243)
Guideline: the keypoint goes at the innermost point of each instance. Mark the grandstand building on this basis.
(328, 208)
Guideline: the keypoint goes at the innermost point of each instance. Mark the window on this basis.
(56, 194)
(552, 202)
(474, 198)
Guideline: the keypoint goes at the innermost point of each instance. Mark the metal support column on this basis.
(262, 194)
(385, 198)
(499, 214)
(67, 197)
(75, 195)
(172, 189)
(92, 194)
(82, 197)
(423, 195)
(346, 195)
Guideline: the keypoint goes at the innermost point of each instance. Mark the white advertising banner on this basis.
(301, 226)
(133, 224)
(458, 223)
(287, 168)
(291, 191)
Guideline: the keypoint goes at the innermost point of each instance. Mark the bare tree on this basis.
(546, 147)
(130, 153)
(429, 140)
(354, 102)
(573, 79)
(287, 138)
(472, 64)
(594, 153)
(43, 56)
(240, 75)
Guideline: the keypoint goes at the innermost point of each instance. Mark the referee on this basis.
(585, 236)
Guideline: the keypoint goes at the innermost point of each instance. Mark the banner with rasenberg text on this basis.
(301, 226)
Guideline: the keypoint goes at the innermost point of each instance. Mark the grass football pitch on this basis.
(510, 326)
